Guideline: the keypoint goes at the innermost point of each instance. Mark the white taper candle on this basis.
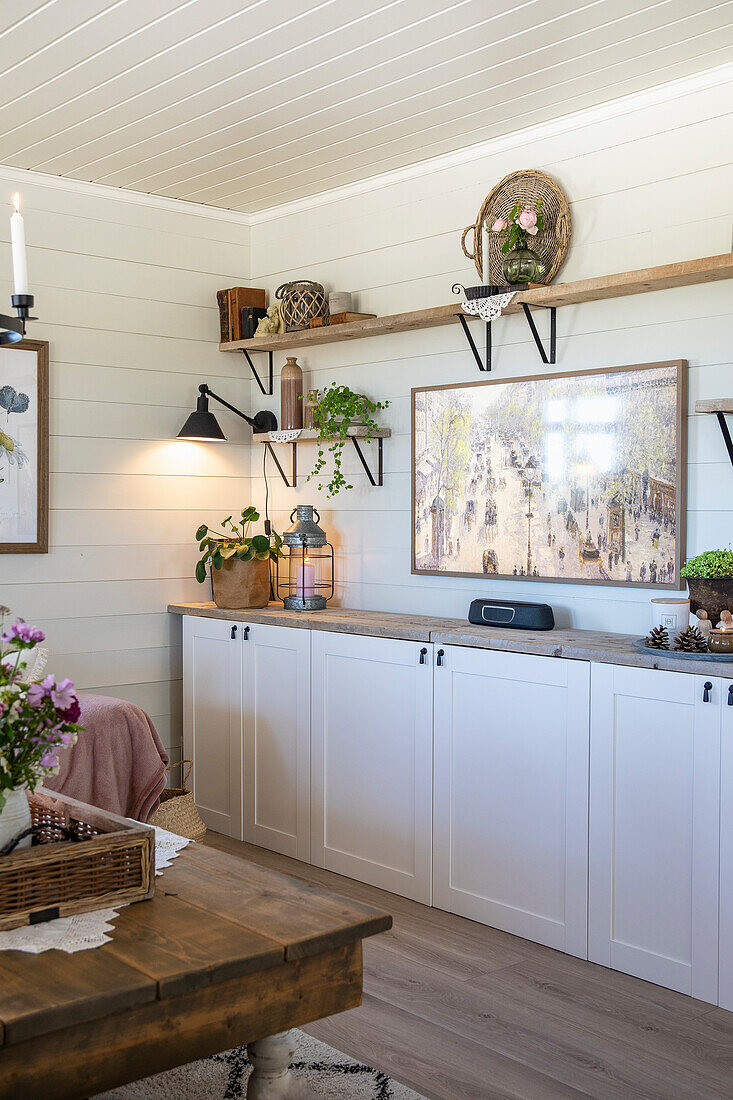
(17, 238)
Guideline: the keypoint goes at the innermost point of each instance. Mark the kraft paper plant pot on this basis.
(714, 594)
(241, 584)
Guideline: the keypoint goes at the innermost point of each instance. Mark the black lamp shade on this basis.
(202, 424)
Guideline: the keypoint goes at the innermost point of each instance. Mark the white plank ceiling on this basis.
(246, 104)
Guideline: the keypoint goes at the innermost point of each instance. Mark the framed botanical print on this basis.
(574, 477)
(24, 448)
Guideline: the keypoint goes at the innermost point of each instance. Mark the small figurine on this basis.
(704, 625)
(272, 324)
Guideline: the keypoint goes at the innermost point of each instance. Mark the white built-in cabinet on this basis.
(247, 729)
(510, 830)
(660, 828)
(586, 807)
(372, 760)
(212, 721)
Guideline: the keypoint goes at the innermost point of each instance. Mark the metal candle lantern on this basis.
(305, 571)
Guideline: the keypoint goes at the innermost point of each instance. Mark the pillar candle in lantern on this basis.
(305, 577)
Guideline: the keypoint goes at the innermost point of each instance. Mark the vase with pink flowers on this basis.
(521, 264)
(37, 721)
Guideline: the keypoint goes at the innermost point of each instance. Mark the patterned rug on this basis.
(327, 1073)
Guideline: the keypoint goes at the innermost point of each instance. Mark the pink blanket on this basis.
(118, 762)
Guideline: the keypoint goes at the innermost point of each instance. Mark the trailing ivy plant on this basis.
(219, 546)
(712, 563)
(335, 410)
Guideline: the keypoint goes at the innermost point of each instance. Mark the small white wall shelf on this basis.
(310, 435)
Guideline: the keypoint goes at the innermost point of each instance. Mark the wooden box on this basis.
(112, 863)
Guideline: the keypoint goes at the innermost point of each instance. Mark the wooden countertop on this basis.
(578, 645)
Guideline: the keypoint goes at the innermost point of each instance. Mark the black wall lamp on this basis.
(203, 425)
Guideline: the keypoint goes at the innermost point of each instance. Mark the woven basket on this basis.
(177, 811)
(83, 858)
(525, 187)
(302, 301)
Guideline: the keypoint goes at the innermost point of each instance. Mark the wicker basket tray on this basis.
(525, 187)
(112, 863)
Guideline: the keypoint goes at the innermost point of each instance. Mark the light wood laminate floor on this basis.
(458, 1011)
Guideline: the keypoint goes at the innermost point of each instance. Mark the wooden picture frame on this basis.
(24, 417)
(638, 528)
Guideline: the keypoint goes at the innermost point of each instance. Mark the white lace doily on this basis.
(285, 435)
(488, 309)
(85, 930)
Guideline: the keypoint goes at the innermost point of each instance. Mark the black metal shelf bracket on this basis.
(726, 435)
(290, 484)
(489, 290)
(535, 333)
(380, 464)
(267, 392)
(482, 366)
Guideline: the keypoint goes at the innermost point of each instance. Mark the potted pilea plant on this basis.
(37, 721)
(709, 578)
(521, 264)
(335, 410)
(240, 562)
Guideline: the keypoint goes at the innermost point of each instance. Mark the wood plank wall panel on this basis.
(651, 187)
(125, 293)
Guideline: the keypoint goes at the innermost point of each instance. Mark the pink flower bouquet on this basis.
(37, 720)
(523, 222)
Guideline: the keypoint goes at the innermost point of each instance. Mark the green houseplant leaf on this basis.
(218, 547)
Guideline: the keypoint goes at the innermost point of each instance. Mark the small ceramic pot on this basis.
(522, 265)
(720, 641)
(15, 817)
(672, 614)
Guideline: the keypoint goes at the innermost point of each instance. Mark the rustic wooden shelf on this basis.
(310, 435)
(719, 406)
(687, 273)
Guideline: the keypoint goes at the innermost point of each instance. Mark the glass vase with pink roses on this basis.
(520, 263)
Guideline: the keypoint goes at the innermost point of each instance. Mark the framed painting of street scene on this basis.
(576, 477)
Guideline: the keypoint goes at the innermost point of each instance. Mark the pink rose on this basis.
(498, 225)
(532, 231)
(527, 220)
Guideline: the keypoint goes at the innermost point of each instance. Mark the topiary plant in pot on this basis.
(709, 578)
(335, 410)
(240, 562)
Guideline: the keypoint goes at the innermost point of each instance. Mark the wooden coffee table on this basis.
(227, 952)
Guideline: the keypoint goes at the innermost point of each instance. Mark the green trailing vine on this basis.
(219, 546)
(336, 409)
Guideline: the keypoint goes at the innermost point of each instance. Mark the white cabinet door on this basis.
(372, 746)
(510, 829)
(654, 826)
(726, 845)
(212, 719)
(276, 668)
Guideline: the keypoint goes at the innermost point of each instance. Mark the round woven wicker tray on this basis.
(526, 187)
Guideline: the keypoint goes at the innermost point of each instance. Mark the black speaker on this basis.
(511, 613)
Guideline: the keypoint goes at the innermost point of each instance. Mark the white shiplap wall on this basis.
(125, 292)
(652, 185)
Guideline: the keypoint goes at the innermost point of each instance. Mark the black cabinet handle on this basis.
(707, 687)
(234, 632)
(730, 696)
(439, 660)
(424, 653)
(245, 633)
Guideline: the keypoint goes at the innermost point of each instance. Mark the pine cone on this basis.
(691, 641)
(658, 638)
